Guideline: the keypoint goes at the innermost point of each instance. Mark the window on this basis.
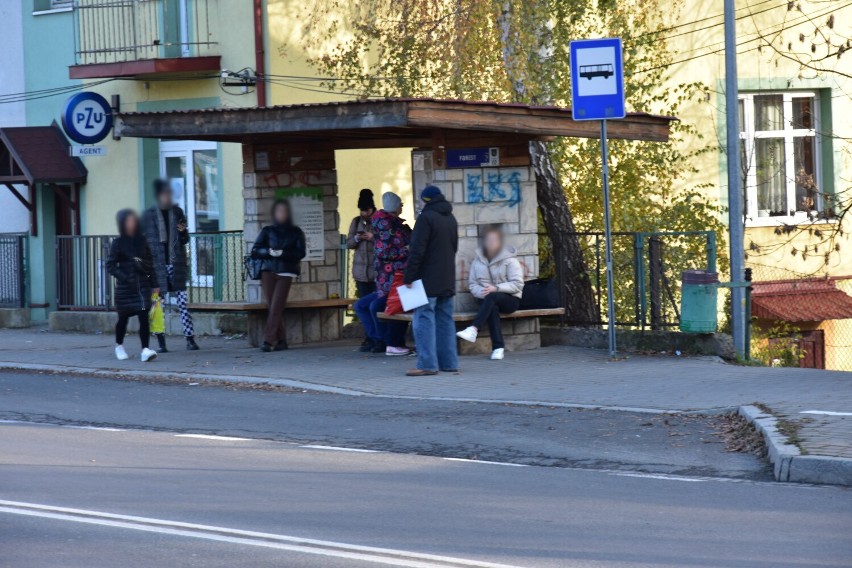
(57, 4)
(780, 157)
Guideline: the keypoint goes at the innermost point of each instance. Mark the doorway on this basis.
(192, 169)
(812, 346)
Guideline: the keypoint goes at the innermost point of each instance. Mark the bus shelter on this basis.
(476, 152)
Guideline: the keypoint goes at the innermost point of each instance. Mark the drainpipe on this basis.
(259, 65)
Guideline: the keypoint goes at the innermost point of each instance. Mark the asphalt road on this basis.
(414, 505)
(681, 445)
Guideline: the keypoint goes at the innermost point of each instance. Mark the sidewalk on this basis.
(553, 375)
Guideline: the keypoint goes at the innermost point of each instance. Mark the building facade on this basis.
(797, 164)
(161, 56)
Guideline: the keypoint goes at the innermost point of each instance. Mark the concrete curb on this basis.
(320, 388)
(789, 464)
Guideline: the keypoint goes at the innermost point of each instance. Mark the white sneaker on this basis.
(120, 353)
(497, 354)
(147, 355)
(468, 334)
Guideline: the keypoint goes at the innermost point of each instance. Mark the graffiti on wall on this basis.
(493, 186)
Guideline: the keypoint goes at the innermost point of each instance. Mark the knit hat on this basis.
(429, 193)
(365, 200)
(391, 201)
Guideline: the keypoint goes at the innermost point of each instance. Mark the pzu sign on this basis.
(87, 118)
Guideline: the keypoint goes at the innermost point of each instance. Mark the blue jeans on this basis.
(367, 316)
(391, 333)
(435, 335)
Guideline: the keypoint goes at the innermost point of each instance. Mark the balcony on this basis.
(129, 38)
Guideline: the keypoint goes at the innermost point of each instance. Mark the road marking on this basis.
(212, 437)
(339, 449)
(826, 412)
(98, 428)
(486, 462)
(666, 477)
(386, 556)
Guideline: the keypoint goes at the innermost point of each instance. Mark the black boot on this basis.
(191, 345)
(161, 339)
(281, 346)
(366, 346)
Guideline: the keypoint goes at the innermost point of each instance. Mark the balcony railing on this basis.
(123, 31)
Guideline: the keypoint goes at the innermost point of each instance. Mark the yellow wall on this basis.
(696, 61)
(380, 170)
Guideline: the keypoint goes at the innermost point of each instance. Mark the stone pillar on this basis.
(505, 196)
(287, 167)
(489, 196)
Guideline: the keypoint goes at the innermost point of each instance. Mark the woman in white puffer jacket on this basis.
(497, 280)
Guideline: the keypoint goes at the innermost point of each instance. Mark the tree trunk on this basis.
(575, 286)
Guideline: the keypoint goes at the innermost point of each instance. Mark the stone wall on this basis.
(320, 280)
(505, 196)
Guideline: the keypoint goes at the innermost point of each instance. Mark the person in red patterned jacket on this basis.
(391, 239)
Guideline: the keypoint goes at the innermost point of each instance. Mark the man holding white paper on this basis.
(434, 243)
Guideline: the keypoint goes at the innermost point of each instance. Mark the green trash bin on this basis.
(698, 301)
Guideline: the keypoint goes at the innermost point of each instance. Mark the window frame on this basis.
(788, 134)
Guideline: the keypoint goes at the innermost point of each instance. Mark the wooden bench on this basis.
(520, 329)
(256, 313)
(468, 316)
(248, 307)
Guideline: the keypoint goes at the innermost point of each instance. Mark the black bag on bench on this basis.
(540, 294)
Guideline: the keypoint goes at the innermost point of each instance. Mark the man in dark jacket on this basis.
(434, 243)
(164, 227)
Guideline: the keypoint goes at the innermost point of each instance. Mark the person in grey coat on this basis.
(497, 280)
(360, 239)
(164, 227)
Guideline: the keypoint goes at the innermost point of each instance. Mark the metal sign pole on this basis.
(610, 293)
(739, 320)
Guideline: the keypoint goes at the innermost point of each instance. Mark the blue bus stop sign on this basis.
(597, 79)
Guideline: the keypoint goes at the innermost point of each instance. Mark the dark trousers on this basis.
(364, 288)
(144, 328)
(490, 308)
(275, 291)
(390, 332)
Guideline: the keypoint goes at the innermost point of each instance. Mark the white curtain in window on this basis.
(771, 178)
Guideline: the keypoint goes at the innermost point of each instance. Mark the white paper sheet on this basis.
(413, 297)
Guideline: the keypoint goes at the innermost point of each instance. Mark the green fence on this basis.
(646, 273)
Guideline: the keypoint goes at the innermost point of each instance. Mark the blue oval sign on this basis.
(87, 118)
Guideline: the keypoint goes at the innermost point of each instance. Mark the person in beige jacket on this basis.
(497, 281)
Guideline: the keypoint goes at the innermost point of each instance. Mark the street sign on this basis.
(597, 79)
(86, 151)
(597, 93)
(473, 157)
(87, 118)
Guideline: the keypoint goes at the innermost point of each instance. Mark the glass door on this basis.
(193, 173)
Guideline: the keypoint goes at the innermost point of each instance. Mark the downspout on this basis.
(259, 63)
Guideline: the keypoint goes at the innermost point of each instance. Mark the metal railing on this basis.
(82, 280)
(13, 270)
(115, 31)
(216, 269)
(646, 273)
